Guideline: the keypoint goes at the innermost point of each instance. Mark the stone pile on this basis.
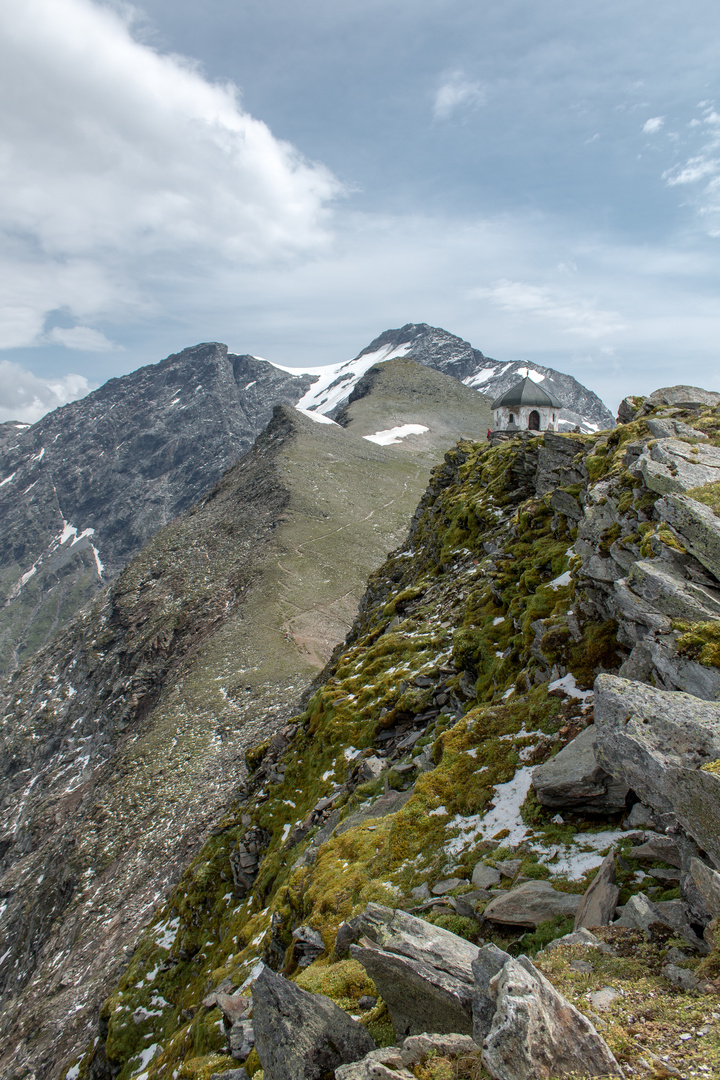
(444, 996)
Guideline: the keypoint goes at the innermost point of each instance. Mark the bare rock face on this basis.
(698, 526)
(574, 780)
(682, 395)
(423, 973)
(707, 881)
(657, 742)
(598, 904)
(486, 965)
(530, 904)
(302, 1036)
(537, 1034)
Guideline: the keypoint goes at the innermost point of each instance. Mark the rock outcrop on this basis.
(664, 746)
(536, 1033)
(301, 1036)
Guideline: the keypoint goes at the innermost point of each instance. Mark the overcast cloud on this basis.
(295, 178)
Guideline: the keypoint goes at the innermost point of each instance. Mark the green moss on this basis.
(700, 641)
(708, 494)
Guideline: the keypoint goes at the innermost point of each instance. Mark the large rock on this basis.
(423, 973)
(674, 465)
(707, 881)
(667, 590)
(598, 904)
(302, 1036)
(537, 1034)
(640, 913)
(488, 962)
(682, 395)
(383, 1064)
(530, 904)
(657, 741)
(574, 780)
(698, 527)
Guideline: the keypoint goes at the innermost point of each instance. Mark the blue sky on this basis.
(292, 177)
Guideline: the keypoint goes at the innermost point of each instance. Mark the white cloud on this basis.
(457, 92)
(26, 397)
(653, 125)
(570, 313)
(115, 158)
(80, 337)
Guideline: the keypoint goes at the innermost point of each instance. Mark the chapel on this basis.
(526, 407)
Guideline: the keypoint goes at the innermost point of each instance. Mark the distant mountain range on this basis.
(83, 489)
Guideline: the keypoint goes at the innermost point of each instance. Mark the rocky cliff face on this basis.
(533, 571)
(123, 742)
(87, 486)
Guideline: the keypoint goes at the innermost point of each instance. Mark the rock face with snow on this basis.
(445, 352)
(83, 489)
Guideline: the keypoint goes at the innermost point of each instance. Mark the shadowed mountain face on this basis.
(82, 490)
(122, 742)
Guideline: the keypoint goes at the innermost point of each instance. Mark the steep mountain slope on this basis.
(530, 569)
(444, 352)
(82, 490)
(123, 742)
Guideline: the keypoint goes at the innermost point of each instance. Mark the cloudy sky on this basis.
(293, 177)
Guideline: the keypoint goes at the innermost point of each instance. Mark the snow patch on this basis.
(480, 377)
(317, 417)
(8, 479)
(335, 383)
(570, 687)
(168, 934)
(559, 582)
(530, 373)
(393, 435)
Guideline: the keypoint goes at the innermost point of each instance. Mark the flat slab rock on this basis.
(302, 1036)
(536, 1033)
(657, 742)
(575, 780)
(530, 904)
(423, 973)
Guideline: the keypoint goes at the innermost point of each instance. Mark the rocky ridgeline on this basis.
(518, 741)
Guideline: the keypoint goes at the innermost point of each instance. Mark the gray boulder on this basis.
(423, 973)
(574, 780)
(580, 937)
(485, 876)
(657, 741)
(662, 848)
(302, 1036)
(383, 1064)
(417, 1048)
(598, 904)
(707, 881)
(536, 1033)
(698, 527)
(530, 904)
(682, 395)
(669, 592)
(488, 962)
(641, 913)
(674, 465)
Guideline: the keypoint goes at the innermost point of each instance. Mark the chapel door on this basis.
(534, 421)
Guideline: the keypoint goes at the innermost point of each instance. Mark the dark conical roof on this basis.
(527, 392)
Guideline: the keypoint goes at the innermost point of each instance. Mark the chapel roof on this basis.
(527, 392)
